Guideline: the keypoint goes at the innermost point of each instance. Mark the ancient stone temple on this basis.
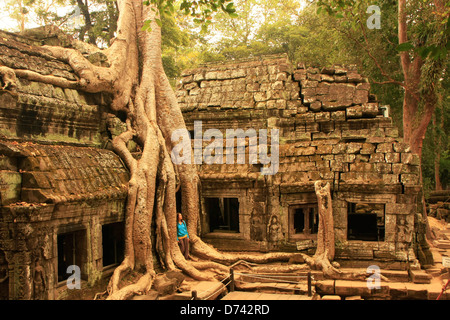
(329, 128)
(264, 132)
(62, 194)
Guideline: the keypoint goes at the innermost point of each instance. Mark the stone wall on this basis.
(331, 128)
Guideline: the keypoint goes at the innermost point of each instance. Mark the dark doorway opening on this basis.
(71, 251)
(113, 240)
(299, 221)
(304, 220)
(365, 222)
(223, 214)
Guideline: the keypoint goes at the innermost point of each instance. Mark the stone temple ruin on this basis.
(63, 190)
(330, 128)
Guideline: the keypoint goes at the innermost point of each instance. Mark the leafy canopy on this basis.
(200, 10)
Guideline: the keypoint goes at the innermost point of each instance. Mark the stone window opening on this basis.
(71, 251)
(223, 214)
(113, 243)
(366, 221)
(303, 221)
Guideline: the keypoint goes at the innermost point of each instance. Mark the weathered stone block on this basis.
(390, 179)
(300, 74)
(313, 76)
(305, 151)
(377, 157)
(391, 132)
(340, 70)
(361, 96)
(238, 73)
(345, 89)
(326, 77)
(309, 93)
(315, 106)
(354, 147)
(340, 78)
(420, 276)
(409, 178)
(339, 148)
(278, 85)
(324, 149)
(322, 116)
(211, 75)
(281, 76)
(221, 75)
(367, 148)
(253, 87)
(392, 157)
(323, 88)
(354, 77)
(338, 115)
(385, 147)
(362, 167)
(354, 112)
(401, 147)
(381, 167)
(370, 109)
(410, 158)
(309, 84)
(334, 102)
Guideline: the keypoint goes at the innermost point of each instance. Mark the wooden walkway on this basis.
(242, 295)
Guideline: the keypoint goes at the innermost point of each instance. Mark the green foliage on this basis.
(423, 22)
(200, 10)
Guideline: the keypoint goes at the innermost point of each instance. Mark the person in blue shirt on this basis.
(182, 236)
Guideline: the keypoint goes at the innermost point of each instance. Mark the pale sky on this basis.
(9, 24)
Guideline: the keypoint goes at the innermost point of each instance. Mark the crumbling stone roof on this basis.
(55, 174)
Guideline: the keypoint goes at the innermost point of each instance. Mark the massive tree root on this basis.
(141, 90)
